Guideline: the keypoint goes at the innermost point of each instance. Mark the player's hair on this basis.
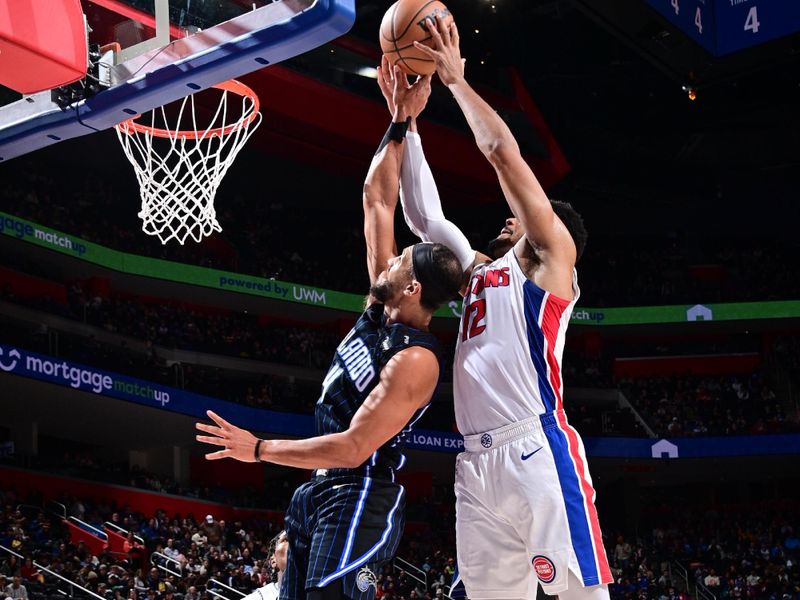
(445, 270)
(574, 224)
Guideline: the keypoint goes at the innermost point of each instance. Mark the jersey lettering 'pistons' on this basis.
(358, 362)
(491, 278)
(508, 355)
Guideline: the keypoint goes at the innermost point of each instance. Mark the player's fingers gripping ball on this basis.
(406, 22)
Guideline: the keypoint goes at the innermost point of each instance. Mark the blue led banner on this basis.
(96, 381)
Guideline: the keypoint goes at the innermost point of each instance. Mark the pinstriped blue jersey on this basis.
(355, 371)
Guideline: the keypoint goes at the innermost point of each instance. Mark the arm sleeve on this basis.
(422, 207)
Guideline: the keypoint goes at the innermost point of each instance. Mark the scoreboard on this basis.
(725, 26)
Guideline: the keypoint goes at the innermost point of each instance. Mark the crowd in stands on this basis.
(208, 551)
(177, 325)
(709, 270)
(271, 240)
(266, 239)
(701, 406)
(733, 552)
(730, 550)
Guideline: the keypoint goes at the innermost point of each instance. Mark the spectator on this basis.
(199, 538)
(15, 590)
(711, 581)
(213, 531)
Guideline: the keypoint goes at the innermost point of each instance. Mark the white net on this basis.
(180, 166)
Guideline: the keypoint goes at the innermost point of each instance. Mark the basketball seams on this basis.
(405, 60)
(411, 21)
(390, 34)
(399, 59)
(411, 45)
(391, 25)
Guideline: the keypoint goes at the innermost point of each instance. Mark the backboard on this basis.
(148, 53)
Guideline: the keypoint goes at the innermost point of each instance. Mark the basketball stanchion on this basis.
(179, 165)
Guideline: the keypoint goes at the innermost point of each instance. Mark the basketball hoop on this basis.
(179, 165)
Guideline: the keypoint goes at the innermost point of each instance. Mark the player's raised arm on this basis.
(382, 185)
(522, 190)
(407, 384)
(422, 206)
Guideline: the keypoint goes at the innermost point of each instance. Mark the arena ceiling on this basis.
(608, 76)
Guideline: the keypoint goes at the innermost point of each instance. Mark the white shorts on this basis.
(525, 511)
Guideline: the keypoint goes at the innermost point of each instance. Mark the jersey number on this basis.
(474, 316)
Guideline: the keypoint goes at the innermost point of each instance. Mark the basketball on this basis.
(407, 22)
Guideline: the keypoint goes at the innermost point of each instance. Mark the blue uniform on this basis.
(345, 522)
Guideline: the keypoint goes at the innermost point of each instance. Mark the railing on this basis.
(417, 574)
(703, 593)
(216, 594)
(163, 562)
(407, 567)
(72, 585)
(123, 532)
(87, 527)
(24, 507)
(56, 508)
(683, 575)
(623, 402)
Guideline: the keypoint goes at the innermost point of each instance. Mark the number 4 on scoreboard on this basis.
(751, 23)
(698, 15)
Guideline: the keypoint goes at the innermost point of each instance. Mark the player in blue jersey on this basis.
(349, 518)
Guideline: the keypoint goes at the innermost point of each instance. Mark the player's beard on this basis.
(383, 291)
(499, 247)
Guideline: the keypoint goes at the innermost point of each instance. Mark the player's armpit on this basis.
(407, 384)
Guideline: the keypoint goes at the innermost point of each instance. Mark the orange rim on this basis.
(131, 126)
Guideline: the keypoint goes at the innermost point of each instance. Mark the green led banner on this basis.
(292, 292)
(173, 271)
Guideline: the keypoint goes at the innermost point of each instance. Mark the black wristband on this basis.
(395, 133)
(257, 451)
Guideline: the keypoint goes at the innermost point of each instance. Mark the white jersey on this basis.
(508, 356)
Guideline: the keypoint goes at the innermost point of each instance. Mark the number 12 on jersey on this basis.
(474, 319)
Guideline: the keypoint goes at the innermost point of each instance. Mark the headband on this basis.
(427, 272)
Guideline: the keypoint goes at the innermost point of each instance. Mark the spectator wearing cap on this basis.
(213, 531)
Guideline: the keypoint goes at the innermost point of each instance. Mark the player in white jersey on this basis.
(524, 496)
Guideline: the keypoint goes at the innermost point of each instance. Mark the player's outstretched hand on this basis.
(236, 442)
(446, 52)
(410, 99)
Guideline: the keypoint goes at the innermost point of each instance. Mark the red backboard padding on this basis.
(42, 44)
